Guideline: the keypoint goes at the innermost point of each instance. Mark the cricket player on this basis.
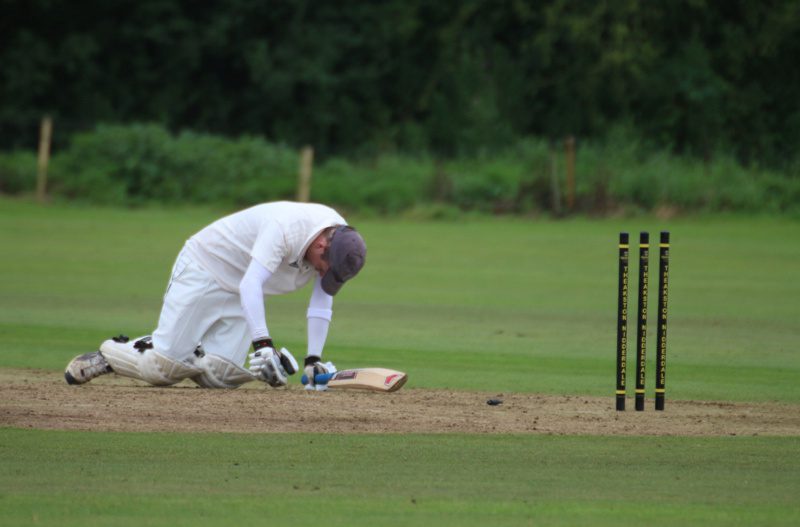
(214, 310)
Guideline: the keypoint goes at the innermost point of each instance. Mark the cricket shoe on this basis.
(86, 367)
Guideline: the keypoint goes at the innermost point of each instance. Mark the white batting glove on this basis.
(271, 366)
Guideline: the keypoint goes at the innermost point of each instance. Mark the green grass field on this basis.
(506, 305)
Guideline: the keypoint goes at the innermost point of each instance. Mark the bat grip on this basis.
(320, 378)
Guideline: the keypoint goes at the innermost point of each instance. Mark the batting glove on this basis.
(272, 366)
(314, 367)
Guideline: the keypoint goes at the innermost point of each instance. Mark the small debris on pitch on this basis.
(494, 402)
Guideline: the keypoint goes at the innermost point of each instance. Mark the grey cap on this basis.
(346, 255)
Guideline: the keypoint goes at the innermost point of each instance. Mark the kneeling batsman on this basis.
(214, 311)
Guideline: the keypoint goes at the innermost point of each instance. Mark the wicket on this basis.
(641, 328)
(622, 320)
(661, 333)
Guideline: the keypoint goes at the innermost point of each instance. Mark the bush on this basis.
(387, 185)
(488, 185)
(241, 172)
(633, 175)
(17, 172)
(145, 163)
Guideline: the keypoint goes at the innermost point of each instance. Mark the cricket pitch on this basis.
(41, 399)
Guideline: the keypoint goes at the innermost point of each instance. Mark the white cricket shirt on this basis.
(275, 234)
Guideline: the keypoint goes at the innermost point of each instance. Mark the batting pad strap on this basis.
(316, 312)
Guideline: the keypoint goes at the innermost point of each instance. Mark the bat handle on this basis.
(320, 378)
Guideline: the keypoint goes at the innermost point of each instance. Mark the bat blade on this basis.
(375, 379)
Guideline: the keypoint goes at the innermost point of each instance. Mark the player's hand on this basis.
(313, 367)
(272, 366)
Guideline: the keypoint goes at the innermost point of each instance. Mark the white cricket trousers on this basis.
(196, 311)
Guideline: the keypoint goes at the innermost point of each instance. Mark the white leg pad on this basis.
(123, 357)
(149, 366)
(163, 371)
(220, 373)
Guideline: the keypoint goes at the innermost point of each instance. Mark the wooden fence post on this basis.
(304, 174)
(569, 145)
(555, 185)
(45, 135)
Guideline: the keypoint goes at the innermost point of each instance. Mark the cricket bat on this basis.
(375, 379)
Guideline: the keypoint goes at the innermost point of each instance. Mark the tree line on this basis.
(447, 77)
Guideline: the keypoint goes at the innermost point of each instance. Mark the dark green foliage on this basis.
(450, 77)
(17, 172)
(144, 163)
(388, 185)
